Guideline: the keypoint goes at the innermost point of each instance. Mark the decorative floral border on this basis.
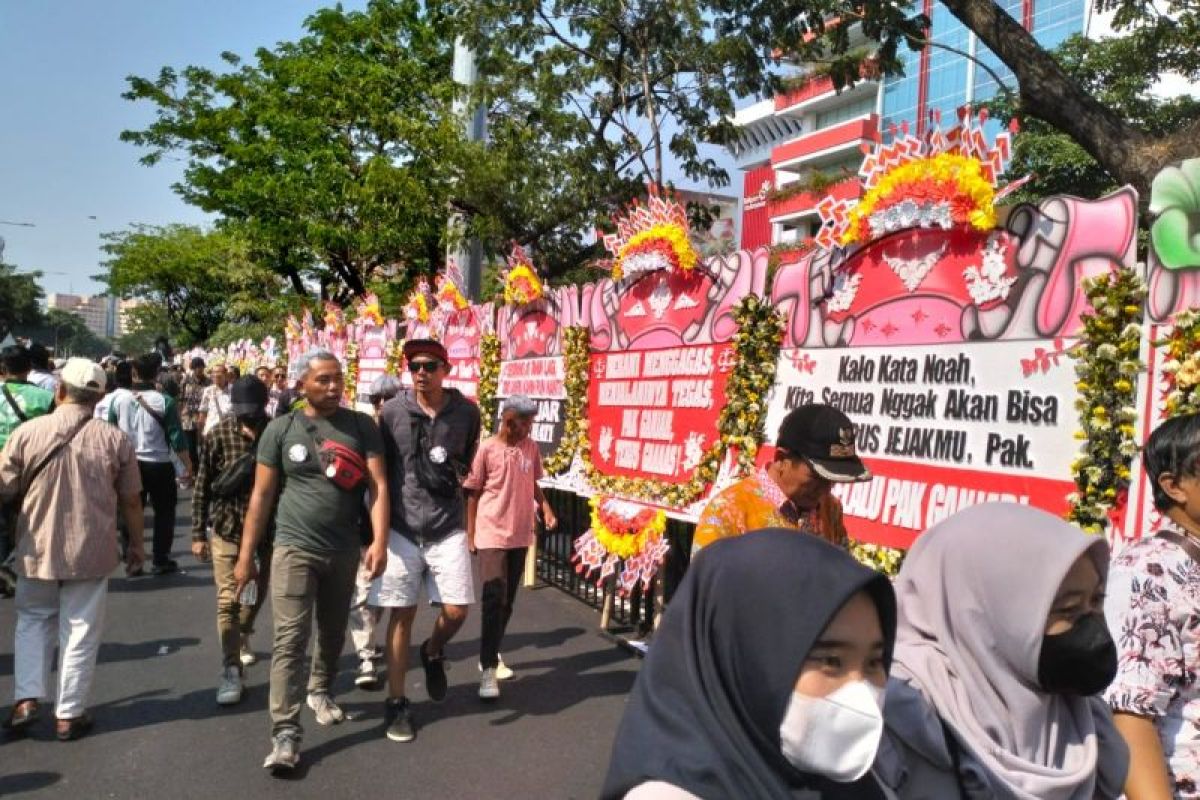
(1182, 367)
(1107, 365)
(576, 368)
(756, 345)
(489, 379)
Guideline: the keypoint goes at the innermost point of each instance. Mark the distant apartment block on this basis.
(107, 317)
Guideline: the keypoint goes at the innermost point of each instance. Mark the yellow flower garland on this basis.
(489, 379)
(959, 176)
(625, 546)
(676, 238)
(1107, 366)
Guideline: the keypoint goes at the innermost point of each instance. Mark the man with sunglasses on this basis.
(430, 435)
(814, 450)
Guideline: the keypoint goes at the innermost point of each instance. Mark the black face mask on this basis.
(1082, 661)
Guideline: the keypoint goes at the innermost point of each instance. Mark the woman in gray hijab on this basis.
(1001, 651)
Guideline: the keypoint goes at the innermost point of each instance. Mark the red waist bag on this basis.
(343, 465)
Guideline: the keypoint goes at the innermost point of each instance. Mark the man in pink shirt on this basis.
(502, 499)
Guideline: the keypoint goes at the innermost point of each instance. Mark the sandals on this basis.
(70, 729)
(24, 713)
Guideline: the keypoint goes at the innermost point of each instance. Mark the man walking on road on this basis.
(430, 435)
(318, 462)
(214, 400)
(71, 472)
(151, 420)
(224, 479)
(192, 390)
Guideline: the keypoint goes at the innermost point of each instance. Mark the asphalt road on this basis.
(160, 733)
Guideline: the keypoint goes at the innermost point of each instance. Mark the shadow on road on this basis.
(121, 651)
(158, 707)
(564, 683)
(27, 781)
(151, 583)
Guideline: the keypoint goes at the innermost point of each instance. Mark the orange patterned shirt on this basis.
(757, 502)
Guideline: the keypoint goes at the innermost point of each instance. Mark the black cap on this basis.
(248, 396)
(824, 437)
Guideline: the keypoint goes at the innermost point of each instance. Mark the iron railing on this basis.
(555, 567)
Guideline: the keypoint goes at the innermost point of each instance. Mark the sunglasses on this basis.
(428, 366)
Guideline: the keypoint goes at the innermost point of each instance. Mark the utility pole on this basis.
(467, 253)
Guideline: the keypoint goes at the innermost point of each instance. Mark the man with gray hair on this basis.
(70, 473)
(319, 462)
(502, 498)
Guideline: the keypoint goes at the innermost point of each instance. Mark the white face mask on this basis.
(835, 736)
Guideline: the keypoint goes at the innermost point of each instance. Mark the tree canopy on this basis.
(1128, 149)
(333, 154)
(194, 281)
(20, 298)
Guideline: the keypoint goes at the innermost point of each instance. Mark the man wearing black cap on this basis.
(430, 435)
(221, 497)
(814, 449)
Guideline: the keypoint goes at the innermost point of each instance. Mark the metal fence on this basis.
(555, 567)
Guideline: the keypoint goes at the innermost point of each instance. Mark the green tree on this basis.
(1121, 74)
(755, 32)
(332, 154)
(68, 335)
(588, 101)
(20, 298)
(189, 277)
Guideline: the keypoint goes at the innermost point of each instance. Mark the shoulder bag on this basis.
(12, 401)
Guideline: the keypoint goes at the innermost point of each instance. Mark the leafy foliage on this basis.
(20, 298)
(333, 154)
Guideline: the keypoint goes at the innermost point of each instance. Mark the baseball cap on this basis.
(824, 437)
(83, 373)
(248, 396)
(426, 347)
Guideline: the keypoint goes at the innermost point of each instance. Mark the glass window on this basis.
(845, 112)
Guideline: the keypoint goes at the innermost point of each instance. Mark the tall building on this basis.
(94, 310)
(810, 137)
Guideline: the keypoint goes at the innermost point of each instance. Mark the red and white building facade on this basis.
(785, 140)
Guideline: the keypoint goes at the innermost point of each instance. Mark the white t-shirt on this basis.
(215, 404)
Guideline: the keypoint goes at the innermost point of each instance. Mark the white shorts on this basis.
(444, 567)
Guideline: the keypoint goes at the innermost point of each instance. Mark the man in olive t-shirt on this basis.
(317, 544)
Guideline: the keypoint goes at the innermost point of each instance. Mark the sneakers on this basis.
(248, 657)
(285, 754)
(366, 677)
(230, 690)
(165, 568)
(489, 686)
(503, 672)
(435, 674)
(399, 720)
(326, 710)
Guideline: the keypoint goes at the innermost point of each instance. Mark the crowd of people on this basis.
(1012, 657)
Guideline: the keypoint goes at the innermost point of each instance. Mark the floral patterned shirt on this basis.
(757, 502)
(1153, 611)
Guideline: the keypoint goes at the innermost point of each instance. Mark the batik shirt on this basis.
(189, 408)
(1153, 611)
(756, 502)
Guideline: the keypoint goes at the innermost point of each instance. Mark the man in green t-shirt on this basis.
(20, 401)
(318, 462)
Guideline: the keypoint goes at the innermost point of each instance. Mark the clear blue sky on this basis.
(63, 65)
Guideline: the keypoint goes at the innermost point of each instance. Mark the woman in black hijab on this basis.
(718, 711)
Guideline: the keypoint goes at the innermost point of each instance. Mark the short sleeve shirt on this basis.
(313, 514)
(506, 478)
(757, 502)
(1153, 611)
